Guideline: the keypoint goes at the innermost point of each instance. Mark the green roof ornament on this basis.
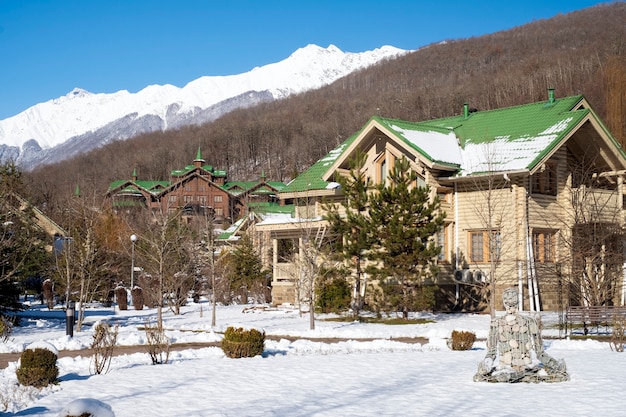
(199, 155)
(77, 191)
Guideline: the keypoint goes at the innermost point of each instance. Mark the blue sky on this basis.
(49, 47)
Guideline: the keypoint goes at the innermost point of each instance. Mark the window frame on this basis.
(544, 245)
(480, 249)
(442, 240)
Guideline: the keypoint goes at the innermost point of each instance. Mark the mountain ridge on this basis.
(85, 117)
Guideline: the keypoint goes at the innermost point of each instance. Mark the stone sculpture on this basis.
(516, 338)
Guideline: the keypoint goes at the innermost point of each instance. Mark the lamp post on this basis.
(133, 239)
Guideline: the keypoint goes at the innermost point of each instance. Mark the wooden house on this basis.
(533, 195)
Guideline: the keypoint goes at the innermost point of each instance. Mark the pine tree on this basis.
(246, 269)
(406, 219)
(354, 227)
(23, 244)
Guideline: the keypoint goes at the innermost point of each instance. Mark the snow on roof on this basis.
(333, 155)
(438, 146)
(284, 218)
(502, 153)
(505, 153)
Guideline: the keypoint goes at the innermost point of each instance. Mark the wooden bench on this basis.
(593, 316)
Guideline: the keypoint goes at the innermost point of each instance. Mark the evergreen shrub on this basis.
(38, 368)
(240, 343)
(461, 340)
(333, 295)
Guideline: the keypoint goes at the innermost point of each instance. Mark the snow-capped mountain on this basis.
(80, 121)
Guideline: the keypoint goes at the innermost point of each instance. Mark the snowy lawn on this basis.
(308, 378)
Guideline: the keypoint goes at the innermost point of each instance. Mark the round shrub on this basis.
(461, 340)
(240, 343)
(38, 367)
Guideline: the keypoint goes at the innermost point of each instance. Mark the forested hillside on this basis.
(579, 53)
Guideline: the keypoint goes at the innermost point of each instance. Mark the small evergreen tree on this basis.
(406, 219)
(246, 270)
(333, 295)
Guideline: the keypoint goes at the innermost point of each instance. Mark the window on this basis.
(445, 197)
(544, 245)
(202, 199)
(217, 199)
(219, 212)
(485, 246)
(442, 242)
(187, 199)
(172, 198)
(381, 168)
(383, 172)
(544, 181)
(287, 248)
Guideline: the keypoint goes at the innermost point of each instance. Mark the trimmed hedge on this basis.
(240, 343)
(38, 368)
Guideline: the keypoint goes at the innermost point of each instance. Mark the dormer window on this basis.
(544, 181)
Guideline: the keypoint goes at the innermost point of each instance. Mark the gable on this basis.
(195, 176)
(514, 139)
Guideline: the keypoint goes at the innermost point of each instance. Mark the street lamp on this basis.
(133, 239)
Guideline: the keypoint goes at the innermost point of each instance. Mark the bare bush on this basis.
(104, 340)
(157, 344)
(617, 339)
(461, 340)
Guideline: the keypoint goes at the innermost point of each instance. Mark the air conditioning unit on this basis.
(480, 277)
(463, 276)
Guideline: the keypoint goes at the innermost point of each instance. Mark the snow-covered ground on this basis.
(308, 378)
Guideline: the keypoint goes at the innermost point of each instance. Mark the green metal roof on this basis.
(239, 187)
(270, 207)
(507, 139)
(311, 179)
(189, 168)
(131, 188)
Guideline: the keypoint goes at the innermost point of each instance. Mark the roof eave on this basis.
(474, 177)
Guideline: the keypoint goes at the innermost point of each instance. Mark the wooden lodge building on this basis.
(533, 195)
(197, 189)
